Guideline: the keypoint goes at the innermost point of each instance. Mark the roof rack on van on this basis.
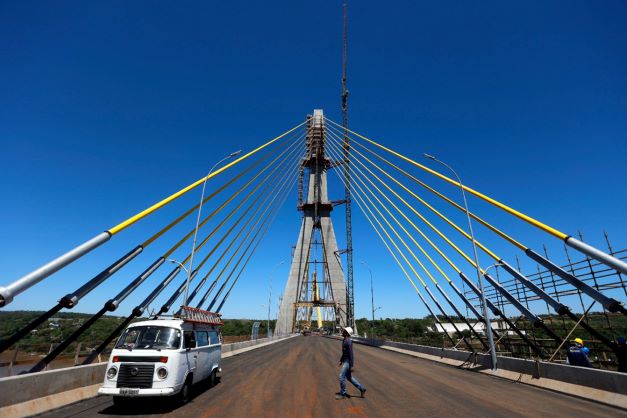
(190, 314)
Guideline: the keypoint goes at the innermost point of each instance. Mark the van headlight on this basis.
(112, 372)
(162, 373)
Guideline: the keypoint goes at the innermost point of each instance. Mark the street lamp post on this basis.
(202, 197)
(270, 293)
(484, 304)
(371, 292)
(173, 261)
(373, 311)
(496, 265)
(278, 308)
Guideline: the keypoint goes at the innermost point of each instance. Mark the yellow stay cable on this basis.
(440, 195)
(252, 252)
(434, 210)
(443, 217)
(388, 223)
(229, 200)
(237, 222)
(519, 215)
(335, 146)
(359, 202)
(400, 265)
(266, 214)
(206, 199)
(444, 237)
(411, 266)
(242, 216)
(130, 221)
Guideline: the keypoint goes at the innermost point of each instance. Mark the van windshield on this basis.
(150, 337)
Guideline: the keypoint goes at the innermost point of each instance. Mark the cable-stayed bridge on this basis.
(490, 310)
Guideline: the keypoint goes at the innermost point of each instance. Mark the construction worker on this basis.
(346, 364)
(577, 355)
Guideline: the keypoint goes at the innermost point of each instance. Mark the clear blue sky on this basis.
(107, 107)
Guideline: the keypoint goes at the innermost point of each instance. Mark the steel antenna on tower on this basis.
(350, 301)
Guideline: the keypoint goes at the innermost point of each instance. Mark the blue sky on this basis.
(108, 107)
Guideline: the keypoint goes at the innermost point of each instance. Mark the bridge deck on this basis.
(298, 378)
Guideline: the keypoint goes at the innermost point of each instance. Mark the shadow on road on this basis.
(154, 405)
(471, 364)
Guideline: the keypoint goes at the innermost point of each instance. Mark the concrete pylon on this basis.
(316, 255)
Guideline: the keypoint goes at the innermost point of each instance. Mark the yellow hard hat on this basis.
(579, 341)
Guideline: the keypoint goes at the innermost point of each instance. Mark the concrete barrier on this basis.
(594, 378)
(233, 349)
(227, 348)
(17, 389)
(601, 386)
(29, 394)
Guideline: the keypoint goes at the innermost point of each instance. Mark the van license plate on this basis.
(129, 392)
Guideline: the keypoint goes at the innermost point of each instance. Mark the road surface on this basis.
(299, 378)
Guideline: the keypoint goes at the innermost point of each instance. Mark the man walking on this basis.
(347, 366)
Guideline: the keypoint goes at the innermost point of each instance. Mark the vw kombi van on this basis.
(165, 357)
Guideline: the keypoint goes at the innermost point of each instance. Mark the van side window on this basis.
(214, 337)
(201, 338)
(190, 339)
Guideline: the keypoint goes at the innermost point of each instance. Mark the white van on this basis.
(165, 357)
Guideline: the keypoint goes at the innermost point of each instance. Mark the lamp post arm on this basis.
(476, 256)
(171, 260)
(459, 180)
(202, 197)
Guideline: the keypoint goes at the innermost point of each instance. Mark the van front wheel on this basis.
(184, 394)
(213, 379)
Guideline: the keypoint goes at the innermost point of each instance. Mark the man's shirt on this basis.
(347, 351)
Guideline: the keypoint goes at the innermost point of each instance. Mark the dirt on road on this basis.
(299, 378)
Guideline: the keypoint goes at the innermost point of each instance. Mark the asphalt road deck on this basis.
(299, 378)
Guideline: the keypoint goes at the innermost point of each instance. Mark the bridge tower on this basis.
(315, 286)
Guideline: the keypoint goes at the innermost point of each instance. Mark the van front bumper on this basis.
(136, 393)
